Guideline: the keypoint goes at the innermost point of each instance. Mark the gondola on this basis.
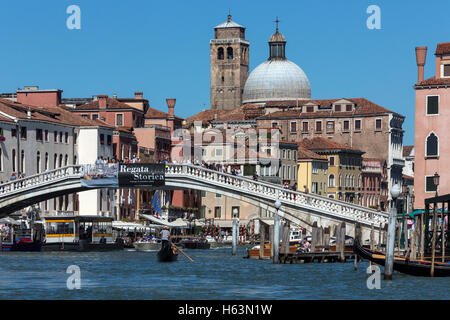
(418, 268)
(167, 254)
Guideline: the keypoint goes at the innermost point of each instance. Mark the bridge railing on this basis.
(273, 191)
(40, 178)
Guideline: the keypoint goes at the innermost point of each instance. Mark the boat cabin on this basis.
(72, 229)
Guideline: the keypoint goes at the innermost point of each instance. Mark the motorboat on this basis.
(148, 244)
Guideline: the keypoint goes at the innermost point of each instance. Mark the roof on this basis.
(110, 104)
(363, 107)
(229, 24)
(321, 144)
(153, 113)
(205, 116)
(407, 150)
(305, 154)
(433, 81)
(245, 112)
(443, 48)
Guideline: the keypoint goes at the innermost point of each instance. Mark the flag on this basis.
(156, 205)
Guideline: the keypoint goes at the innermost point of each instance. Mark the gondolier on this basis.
(165, 236)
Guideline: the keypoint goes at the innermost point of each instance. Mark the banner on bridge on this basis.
(124, 175)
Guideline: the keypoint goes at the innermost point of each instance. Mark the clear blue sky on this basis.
(162, 47)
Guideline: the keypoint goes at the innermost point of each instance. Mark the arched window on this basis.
(14, 160)
(38, 162)
(340, 180)
(432, 147)
(22, 161)
(60, 160)
(55, 161)
(229, 53)
(331, 181)
(46, 161)
(66, 160)
(220, 54)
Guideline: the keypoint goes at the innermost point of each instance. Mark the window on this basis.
(203, 194)
(330, 126)
(14, 161)
(310, 109)
(319, 126)
(38, 162)
(119, 119)
(346, 125)
(13, 133)
(446, 70)
(46, 161)
(331, 161)
(315, 167)
(274, 124)
(66, 137)
(22, 161)
(314, 187)
(23, 132)
(337, 107)
(284, 154)
(304, 126)
(269, 151)
(288, 173)
(217, 212)
(293, 126)
(39, 135)
(357, 125)
(348, 107)
(229, 53)
(331, 181)
(75, 138)
(220, 54)
(60, 137)
(46, 135)
(94, 116)
(429, 185)
(432, 147)
(86, 116)
(432, 105)
(289, 154)
(378, 124)
(102, 139)
(218, 195)
(218, 152)
(109, 140)
(55, 137)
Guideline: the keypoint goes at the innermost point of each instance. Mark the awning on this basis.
(129, 226)
(9, 220)
(228, 223)
(179, 223)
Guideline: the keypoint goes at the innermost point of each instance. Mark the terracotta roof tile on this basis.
(110, 104)
(305, 154)
(319, 143)
(407, 150)
(443, 48)
(433, 81)
(153, 113)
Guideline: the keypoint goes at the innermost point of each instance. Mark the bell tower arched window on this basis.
(220, 54)
(229, 53)
(432, 145)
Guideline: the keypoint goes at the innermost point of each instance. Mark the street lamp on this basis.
(389, 261)
(436, 181)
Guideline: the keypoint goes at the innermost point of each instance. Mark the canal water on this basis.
(215, 274)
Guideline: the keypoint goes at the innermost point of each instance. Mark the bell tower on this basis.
(229, 56)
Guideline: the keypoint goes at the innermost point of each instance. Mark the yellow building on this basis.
(312, 171)
(344, 168)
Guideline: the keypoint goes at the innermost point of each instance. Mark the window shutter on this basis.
(433, 105)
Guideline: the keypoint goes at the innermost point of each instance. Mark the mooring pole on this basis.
(390, 242)
(276, 238)
(234, 236)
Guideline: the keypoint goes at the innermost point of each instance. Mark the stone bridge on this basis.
(298, 207)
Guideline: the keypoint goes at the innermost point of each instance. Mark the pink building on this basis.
(432, 117)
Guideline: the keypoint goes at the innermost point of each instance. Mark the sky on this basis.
(162, 47)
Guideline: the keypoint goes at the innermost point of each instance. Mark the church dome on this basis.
(276, 79)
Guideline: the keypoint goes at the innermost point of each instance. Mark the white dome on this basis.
(276, 80)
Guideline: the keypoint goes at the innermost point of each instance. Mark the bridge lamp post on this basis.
(389, 261)
(435, 213)
(276, 233)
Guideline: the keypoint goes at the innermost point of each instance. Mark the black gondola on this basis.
(411, 267)
(166, 254)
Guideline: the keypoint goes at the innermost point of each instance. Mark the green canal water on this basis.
(215, 274)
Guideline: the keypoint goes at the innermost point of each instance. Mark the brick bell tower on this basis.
(229, 65)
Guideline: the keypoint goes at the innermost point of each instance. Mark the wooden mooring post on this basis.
(340, 241)
(314, 236)
(262, 234)
(357, 238)
(271, 241)
(372, 236)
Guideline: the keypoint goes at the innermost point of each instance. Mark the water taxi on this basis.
(79, 233)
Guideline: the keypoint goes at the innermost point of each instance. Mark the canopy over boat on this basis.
(129, 226)
(179, 223)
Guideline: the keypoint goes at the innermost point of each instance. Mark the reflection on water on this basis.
(215, 274)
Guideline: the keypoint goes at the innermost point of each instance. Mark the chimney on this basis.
(171, 106)
(114, 96)
(139, 95)
(421, 56)
(102, 101)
